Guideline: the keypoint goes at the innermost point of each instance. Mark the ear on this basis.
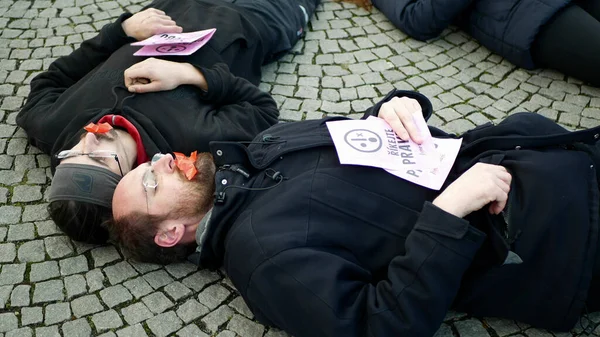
(170, 235)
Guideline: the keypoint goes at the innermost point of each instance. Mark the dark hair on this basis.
(135, 232)
(81, 221)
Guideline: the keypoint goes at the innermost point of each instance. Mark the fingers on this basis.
(141, 88)
(137, 74)
(389, 115)
(410, 126)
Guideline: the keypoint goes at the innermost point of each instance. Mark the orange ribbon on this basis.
(98, 128)
(187, 164)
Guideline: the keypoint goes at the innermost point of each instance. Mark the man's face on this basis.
(113, 142)
(159, 188)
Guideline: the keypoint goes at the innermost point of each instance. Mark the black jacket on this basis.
(321, 249)
(506, 27)
(88, 84)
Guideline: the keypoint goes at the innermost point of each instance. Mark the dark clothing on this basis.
(570, 42)
(506, 27)
(322, 249)
(88, 84)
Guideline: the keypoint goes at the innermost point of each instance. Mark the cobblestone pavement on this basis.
(349, 59)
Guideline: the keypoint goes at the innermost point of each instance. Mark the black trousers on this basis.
(570, 42)
(285, 21)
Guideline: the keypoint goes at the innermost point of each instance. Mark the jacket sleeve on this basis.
(424, 102)
(422, 19)
(241, 108)
(323, 291)
(47, 87)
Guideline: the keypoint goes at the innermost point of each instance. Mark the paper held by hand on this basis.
(171, 44)
(372, 142)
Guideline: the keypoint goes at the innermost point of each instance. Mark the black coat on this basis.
(335, 250)
(84, 86)
(506, 27)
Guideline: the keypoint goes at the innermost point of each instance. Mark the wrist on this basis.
(448, 206)
(193, 76)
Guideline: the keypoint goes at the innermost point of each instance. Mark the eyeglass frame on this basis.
(149, 182)
(92, 154)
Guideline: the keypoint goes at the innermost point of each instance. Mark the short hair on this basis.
(135, 232)
(81, 221)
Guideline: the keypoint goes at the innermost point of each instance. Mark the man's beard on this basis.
(197, 195)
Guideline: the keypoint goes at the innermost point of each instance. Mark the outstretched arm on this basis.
(421, 19)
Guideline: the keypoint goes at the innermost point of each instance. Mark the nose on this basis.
(91, 142)
(163, 163)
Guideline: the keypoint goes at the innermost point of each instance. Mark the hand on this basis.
(149, 22)
(399, 113)
(153, 75)
(482, 184)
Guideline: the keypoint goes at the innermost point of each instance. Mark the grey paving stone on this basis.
(8, 321)
(43, 271)
(138, 287)
(20, 232)
(26, 193)
(22, 332)
(8, 252)
(176, 290)
(48, 291)
(20, 296)
(157, 302)
(158, 279)
(226, 333)
(104, 255)
(58, 246)
(136, 313)
(57, 312)
(115, 295)
(179, 270)
(5, 292)
(75, 285)
(107, 320)
(217, 317)
(51, 331)
(190, 310)
(164, 324)
(245, 327)
(119, 272)
(240, 306)
(471, 327)
(12, 274)
(73, 265)
(95, 280)
(132, 331)
(31, 315)
(77, 328)
(191, 330)
(213, 296)
(85, 305)
(31, 251)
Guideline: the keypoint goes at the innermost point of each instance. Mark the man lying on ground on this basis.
(322, 249)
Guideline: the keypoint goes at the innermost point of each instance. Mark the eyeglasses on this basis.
(150, 185)
(93, 154)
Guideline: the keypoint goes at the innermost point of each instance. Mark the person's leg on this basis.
(285, 21)
(570, 43)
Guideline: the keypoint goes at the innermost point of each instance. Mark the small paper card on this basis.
(174, 44)
(372, 142)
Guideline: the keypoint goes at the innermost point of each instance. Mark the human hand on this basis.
(482, 184)
(149, 22)
(153, 75)
(400, 113)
